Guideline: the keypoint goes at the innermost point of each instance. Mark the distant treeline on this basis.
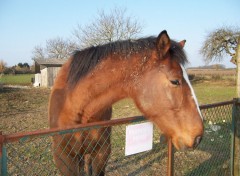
(212, 71)
(215, 66)
(20, 68)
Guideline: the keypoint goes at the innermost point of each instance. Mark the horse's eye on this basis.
(175, 82)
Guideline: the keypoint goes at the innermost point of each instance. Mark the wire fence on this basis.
(213, 155)
(31, 153)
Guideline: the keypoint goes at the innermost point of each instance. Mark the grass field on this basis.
(26, 110)
(20, 79)
(215, 91)
(19, 106)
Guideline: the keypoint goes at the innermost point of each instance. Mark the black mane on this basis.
(85, 60)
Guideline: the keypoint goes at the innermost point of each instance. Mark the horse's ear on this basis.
(163, 43)
(182, 43)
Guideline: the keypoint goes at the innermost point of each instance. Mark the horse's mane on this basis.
(85, 60)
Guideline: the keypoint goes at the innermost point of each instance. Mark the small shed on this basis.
(46, 71)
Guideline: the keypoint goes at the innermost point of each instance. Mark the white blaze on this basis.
(185, 76)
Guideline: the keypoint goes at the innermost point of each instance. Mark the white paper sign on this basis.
(139, 138)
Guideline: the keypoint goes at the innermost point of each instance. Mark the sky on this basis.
(25, 24)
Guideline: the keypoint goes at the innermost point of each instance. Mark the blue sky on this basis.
(27, 23)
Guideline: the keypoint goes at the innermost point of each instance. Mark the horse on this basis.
(150, 71)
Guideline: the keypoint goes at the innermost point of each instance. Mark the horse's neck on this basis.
(97, 91)
(106, 85)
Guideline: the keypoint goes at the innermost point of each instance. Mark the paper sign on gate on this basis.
(139, 138)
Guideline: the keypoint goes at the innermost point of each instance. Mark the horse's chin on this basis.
(180, 145)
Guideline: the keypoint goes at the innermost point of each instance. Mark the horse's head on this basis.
(166, 97)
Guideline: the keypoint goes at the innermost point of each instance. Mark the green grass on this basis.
(25, 110)
(206, 92)
(212, 93)
(21, 79)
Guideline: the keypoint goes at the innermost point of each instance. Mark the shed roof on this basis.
(50, 62)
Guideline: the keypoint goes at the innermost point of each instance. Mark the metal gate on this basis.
(30, 153)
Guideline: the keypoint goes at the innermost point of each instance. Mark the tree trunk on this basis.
(238, 68)
(236, 120)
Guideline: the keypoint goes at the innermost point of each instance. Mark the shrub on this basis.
(216, 77)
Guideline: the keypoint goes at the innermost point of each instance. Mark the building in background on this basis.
(46, 71)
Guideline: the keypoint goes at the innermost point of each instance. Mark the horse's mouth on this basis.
(179, 144)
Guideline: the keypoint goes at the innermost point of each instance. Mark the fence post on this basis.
(170, 166)
(235, 163)
(3, 160)
(1, 153)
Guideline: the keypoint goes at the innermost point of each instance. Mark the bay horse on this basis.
(148, 70)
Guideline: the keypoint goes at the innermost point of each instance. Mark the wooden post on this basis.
(238, 68)
(3, 156)
(170, 166)
(236, 145)
(235, 158)
(1, 153)
(3, 164)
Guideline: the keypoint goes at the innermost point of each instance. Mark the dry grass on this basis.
(23, 109)
(205, 72)
(26, 110)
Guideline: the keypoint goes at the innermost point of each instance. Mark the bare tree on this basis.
(105, 28)
(219, 43)
(59, 48)
(38, 53)
(56, 48)
(116, 25)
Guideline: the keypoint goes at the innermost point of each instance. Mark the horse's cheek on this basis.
(149, 98)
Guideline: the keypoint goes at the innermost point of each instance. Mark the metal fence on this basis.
(213, 155)
(30, 153)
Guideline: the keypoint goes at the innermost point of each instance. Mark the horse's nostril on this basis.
(197, 141)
